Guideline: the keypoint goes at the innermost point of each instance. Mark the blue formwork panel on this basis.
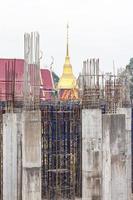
(59, 124)
(2, 105)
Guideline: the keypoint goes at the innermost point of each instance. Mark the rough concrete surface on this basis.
(114, 185)
(11, 156)
(128, 178)
(91, 154)
(31, 158)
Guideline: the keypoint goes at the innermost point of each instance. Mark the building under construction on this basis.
(70, 142)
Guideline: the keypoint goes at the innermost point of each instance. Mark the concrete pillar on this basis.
(31, 148)
(91, 154)
(19, 156)
(11, 156)
(128, 178)
(114, 185)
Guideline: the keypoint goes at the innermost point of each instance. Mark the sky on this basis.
(98, 29)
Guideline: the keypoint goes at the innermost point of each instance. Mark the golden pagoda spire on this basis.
(67, 59)
(67, 80)
(67, 53)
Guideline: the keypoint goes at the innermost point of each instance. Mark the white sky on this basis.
(98, 29)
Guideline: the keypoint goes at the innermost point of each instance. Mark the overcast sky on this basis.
(98, 29)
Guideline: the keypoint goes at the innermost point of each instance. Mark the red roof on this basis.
(46, 79)
(13, 69)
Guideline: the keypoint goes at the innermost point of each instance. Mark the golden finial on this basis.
(67, 40)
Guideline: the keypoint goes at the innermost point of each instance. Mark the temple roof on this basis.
(13, 69)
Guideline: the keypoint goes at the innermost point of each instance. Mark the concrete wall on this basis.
(31, 148)
(11, 154)
(114, 185)
(91, 154)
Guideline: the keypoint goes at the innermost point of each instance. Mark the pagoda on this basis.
(67, 86)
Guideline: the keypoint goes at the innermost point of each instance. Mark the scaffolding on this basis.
(61, 151)
(61, 120)
(107, 91)
(113, 93)
(91, 84)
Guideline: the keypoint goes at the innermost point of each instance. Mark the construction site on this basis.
(65, 140)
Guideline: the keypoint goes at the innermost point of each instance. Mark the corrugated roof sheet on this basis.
(13, 69)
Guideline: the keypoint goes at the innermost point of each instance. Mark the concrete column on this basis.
(91, 154)
(128, 178)
(31, 148)
(11, 156)
(106, 162)
(114, 185)
(19, 156)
